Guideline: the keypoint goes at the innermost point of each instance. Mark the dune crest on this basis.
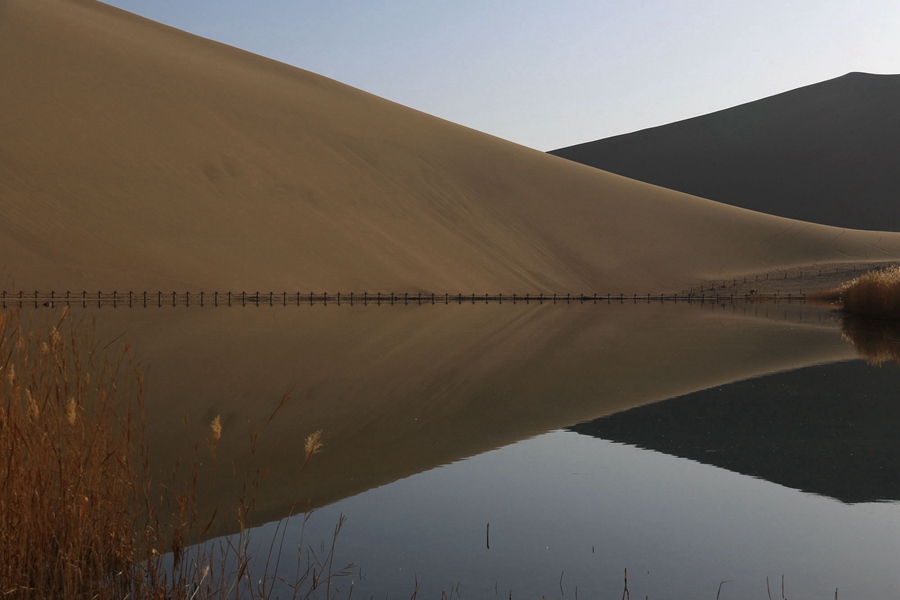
(135, 156)
(824, 153)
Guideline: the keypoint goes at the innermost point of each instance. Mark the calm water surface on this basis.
(690, 445)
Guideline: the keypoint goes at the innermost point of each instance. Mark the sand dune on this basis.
(825, 153)
(135, 156)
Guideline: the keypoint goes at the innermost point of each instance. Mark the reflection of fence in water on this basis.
(781, 308)
(160, 299)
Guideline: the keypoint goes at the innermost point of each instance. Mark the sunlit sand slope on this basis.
(826, 153)
(137, 157)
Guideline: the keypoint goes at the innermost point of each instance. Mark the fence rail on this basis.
(217, 299)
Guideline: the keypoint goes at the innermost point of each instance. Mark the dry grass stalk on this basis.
(875, 294)
(80, 516)
(69, 475)
(215, 434)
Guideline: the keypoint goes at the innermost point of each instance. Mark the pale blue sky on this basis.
(552, 73)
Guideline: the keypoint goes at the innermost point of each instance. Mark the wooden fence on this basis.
(216, 299)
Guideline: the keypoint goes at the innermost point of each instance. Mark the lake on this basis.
(532, 450)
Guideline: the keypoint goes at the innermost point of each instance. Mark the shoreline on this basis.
(794, 280)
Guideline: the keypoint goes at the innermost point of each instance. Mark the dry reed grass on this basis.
(71, 466)
(875, 294)
(80, 515)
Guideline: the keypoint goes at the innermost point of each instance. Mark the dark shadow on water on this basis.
(877, 341)
(830, 430)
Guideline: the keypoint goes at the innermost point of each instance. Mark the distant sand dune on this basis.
(825, 153)
(135, 156)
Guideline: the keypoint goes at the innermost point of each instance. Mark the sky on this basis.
(553, 73)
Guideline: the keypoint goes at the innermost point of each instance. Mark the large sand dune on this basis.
(826, 153)
(135, 156)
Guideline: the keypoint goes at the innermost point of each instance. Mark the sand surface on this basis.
(824, 153)
(137, 157)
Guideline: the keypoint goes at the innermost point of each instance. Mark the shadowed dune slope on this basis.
(135, 156)
(825, 153)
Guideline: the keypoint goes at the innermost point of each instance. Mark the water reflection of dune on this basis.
(400, 390)
(826, 429)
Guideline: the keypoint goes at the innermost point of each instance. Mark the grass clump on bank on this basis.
(80, 514)
(875, 294)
